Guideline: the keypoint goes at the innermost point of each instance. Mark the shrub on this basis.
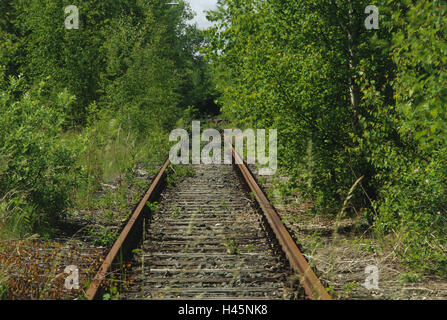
(413, 206)
(37, 170)
(408, 148)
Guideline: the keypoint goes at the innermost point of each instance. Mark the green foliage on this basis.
(127, 54)
(103, 237)
(405, 135)
(71, 57)
(38, 166)
(409, 277)
(175, 213)
(232, 246)
(153, 206)
(176, 173)
(287, 67)
(347, 102)
(350, 287)
(90, 105)
(142, 84)
(420, 53)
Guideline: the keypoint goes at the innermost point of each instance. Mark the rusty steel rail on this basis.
(128, 236)
(311, 284)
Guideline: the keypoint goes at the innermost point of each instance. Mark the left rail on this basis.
(129, 236)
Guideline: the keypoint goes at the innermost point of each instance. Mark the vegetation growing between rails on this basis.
(348, 103)
(176, 173)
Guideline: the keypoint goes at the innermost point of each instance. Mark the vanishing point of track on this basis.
(214, 236)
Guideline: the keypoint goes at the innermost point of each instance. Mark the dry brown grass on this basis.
(34, 269)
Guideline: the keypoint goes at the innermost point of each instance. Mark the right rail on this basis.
(311, 284)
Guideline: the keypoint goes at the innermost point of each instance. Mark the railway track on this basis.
(214, 236)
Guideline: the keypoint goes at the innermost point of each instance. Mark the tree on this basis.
(294, 66)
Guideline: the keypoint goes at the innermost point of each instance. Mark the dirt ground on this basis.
(342, 259)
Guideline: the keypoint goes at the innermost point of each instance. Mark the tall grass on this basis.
(114, 150)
